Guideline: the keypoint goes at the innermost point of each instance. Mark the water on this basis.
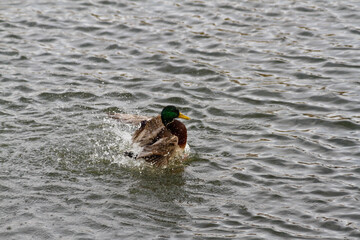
(272, 88)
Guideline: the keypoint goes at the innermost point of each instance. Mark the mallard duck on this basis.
(162, 138)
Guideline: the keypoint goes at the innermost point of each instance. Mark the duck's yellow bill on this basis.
(183, 116)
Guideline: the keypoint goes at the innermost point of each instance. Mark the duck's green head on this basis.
(169, 113)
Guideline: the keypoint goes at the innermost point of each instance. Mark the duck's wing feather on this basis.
(129, 118)
(149, 132)
(158, 143)
(160, 151)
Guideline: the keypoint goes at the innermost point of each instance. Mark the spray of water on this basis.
(113, 142)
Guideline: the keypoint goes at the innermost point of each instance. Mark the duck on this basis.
(163, 138)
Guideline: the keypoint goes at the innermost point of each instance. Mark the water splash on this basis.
(114, 142)
(118, 142)
(101, 147)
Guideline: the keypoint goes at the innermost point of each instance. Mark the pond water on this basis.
(272, 88)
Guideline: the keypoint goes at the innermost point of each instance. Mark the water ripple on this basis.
(271, 88)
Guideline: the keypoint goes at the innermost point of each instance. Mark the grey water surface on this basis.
(272, 88)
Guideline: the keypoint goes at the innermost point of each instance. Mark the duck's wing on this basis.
(158, 143)
(160, 151)
(129, 118)
(149, 132)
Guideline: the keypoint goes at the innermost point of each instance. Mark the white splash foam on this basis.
(113, 143)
